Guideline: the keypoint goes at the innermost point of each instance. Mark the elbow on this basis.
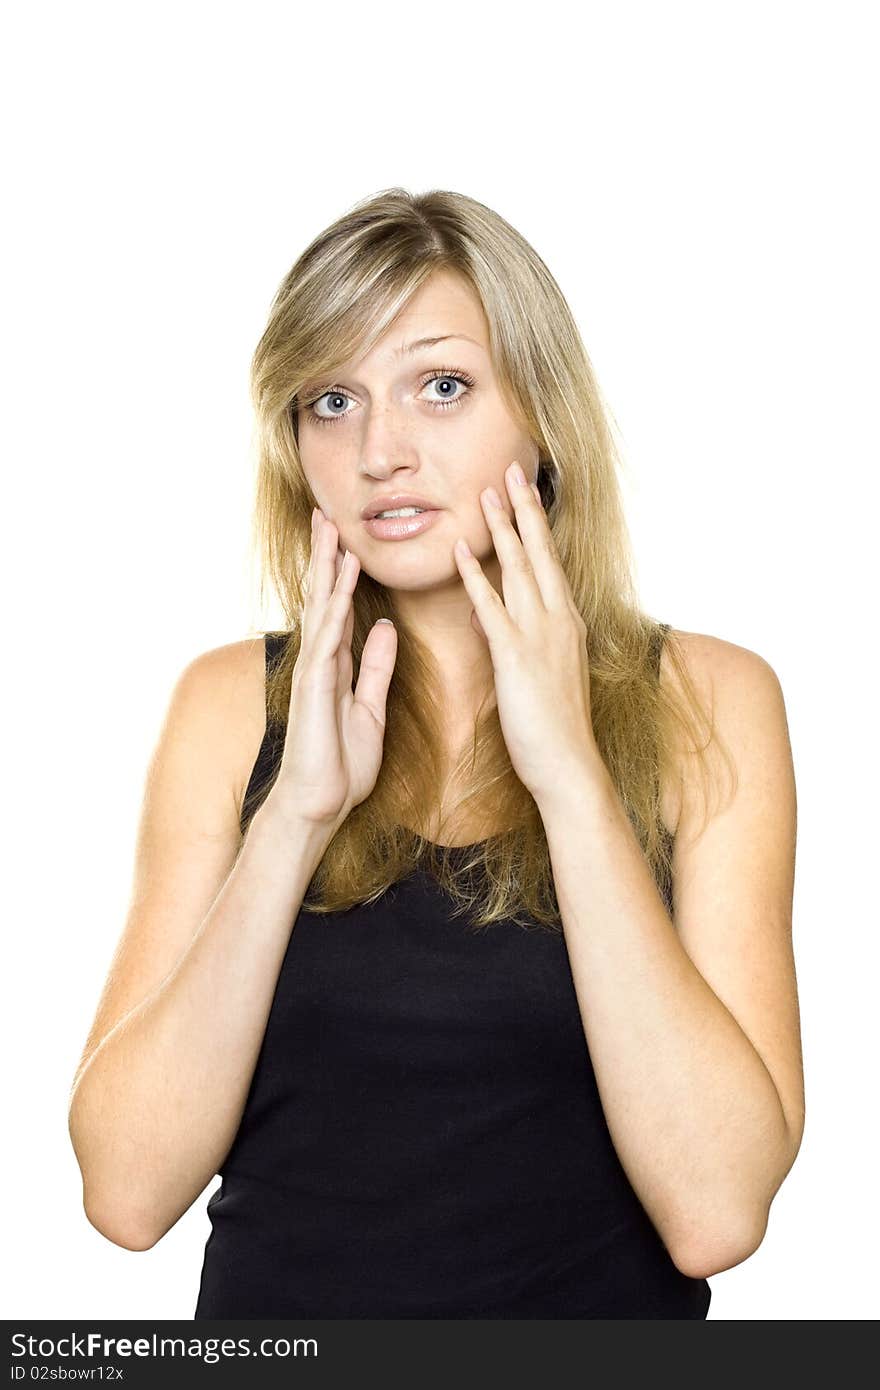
(118, 1229)
(118, 1226)
(723, 1251)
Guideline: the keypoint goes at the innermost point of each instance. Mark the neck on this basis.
(440, 618)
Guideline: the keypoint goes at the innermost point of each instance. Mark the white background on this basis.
(700, 179)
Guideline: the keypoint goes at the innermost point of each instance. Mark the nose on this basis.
(387, 443)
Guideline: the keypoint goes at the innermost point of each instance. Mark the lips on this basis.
(393, 501)
(401, 528)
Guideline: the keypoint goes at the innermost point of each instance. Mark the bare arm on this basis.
(159, 1101)
(159, 1093)
(693, 1026)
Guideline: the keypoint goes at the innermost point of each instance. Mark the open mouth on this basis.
(401, 523)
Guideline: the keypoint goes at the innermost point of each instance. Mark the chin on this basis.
(417, 576)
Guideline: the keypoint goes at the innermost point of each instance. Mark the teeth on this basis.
(404, 511)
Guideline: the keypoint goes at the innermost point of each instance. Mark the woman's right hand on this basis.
(335, 737)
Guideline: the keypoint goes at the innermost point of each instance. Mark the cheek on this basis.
(323, 492)
(496, 480)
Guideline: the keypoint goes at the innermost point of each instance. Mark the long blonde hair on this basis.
(338, 298)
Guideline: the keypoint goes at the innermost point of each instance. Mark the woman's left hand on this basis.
(537, 641)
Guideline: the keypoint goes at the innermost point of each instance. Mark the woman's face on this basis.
(430, 422)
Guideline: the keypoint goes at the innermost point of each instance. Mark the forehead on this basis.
(444, 295)
(445, 306)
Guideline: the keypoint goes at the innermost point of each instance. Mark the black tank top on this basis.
(423, 1136)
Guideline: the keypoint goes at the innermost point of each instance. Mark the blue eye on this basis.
(451, 374)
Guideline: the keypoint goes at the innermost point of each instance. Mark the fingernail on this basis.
(517, 474)
(492, 497)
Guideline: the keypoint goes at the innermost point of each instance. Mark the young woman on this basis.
(443, 950)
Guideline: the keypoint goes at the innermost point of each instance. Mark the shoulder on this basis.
(225, 688)
(737, 842)
(741, 698)
(715, 666)
(736, 686)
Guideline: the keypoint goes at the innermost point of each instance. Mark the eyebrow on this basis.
(409, 348)
(429, 342)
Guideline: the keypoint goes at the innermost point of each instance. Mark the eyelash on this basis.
(452, 372)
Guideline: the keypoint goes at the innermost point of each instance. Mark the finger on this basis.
(344, 660)
(377, 667)
(537, 540)
(332, 625)
(307, 583)
(488, 604)
(309, 590)
(522, 597)
(326, 551)
(324, 568)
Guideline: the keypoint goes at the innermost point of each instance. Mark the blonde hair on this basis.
(338, 298)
